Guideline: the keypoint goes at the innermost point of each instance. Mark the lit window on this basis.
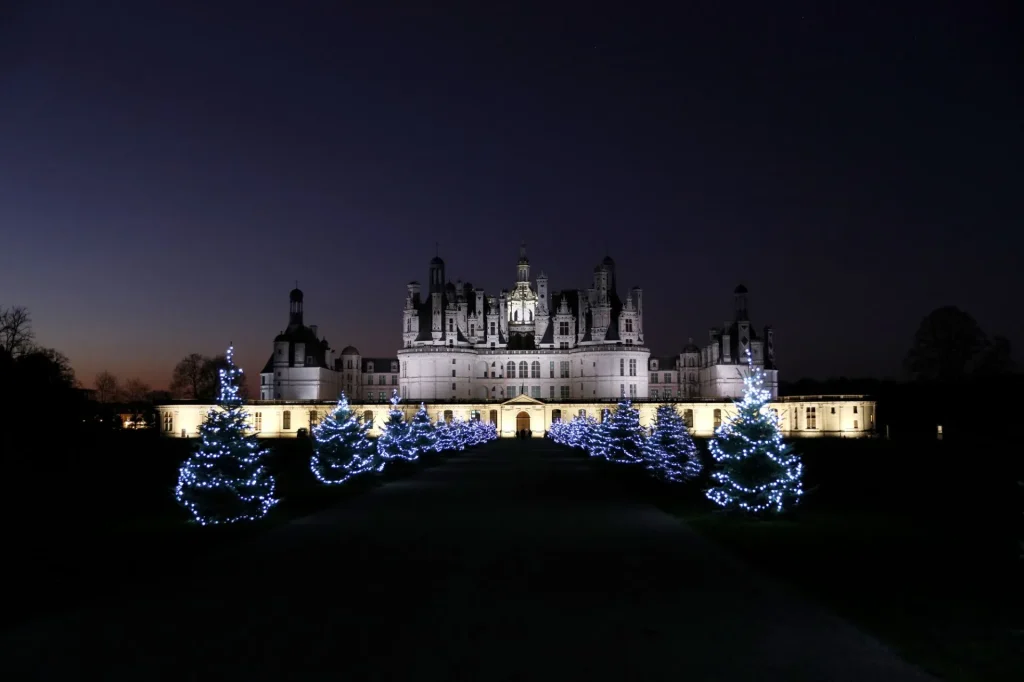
(258, 421)
(811, 418)
(286, 420)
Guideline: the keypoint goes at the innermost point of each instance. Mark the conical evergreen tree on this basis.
(395, 441)
(225, 480)
(597, 441)
(445, 437)
(669, 452)
(755, 470)
(622, 435)
(421, 431)
(341, 448)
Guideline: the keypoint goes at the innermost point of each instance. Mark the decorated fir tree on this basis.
(596, 440)
(421, 432)
(225, 480)
(669, 452)
(395, 441)
(621, 437)
(444, 436)
(755, 470)
(341, 449)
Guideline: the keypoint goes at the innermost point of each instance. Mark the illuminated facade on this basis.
(800, 417)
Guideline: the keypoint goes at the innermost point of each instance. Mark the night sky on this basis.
(167, 171)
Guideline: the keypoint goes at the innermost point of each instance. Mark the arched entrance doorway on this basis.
(522, 421)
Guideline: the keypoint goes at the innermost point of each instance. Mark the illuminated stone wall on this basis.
(801, 416)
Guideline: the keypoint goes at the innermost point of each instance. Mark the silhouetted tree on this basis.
(107, 388)
(188, 377)
(16, 335)
(946, 345)
(996, 359)
(137, 400)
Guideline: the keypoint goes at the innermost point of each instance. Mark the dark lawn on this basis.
(915, 542)
(106, 518)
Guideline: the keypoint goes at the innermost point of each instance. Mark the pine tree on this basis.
(669, 452)
(422, 433)
(341, 448)
(395, 441)
(621, 435)
(755, 470)
(445, 438)
(596, 440)
(225, 480)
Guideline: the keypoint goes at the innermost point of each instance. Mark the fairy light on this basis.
(225, 479)
(341, 448)
(395, 441)
(754, 434)
(669, 452)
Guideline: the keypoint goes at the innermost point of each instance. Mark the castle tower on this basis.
(523, 269)
(295, 308)
(436, 275)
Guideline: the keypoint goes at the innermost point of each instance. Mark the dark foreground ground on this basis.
(514, 561)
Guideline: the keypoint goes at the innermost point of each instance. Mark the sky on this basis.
(169, 170)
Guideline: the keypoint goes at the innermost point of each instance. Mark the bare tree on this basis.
(107, 388)
(189, 377)
(16, 335)
(136, 396)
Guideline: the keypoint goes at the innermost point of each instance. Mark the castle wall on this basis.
(835, 416)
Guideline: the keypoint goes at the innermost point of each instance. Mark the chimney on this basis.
(314, 328)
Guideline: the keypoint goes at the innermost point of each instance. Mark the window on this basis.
(515, 316)
(856, 423)
(654, 393)
(855, 409)
(350, 364)
(312, 418)
(472, 329)
(551, 393)
(286, 420)
(563, 329)
(622, 390)
(629, 342)
(583, 413)
(688, 418)
(394, 379)
(535, 392)
(523, 369)
(718, 418)
(632, 390)
(535, 369)
(654, 377)
(279, 351)
(369, 367)
(453, 385)
(169, 421)
(563, 392)
(833, 410)
(551, 369)
(368, 418)
(511, 391)
(382, 380)
(447, 416)
(510, 370)
(394, 366)
(492, 329)
(668, 377)
(632, 368)
(453, 361)
(263, 381)
(494, 417)
(404, 365)
(453, 372)
(556, 416)
(451, 324)
(622, 367)
(257, 419)
(812, 418)
(563, 345)
(474, 416)
(369, 380)
(408, 325)
(629, 325)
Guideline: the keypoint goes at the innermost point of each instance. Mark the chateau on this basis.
(522, 359)
(462, 344)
